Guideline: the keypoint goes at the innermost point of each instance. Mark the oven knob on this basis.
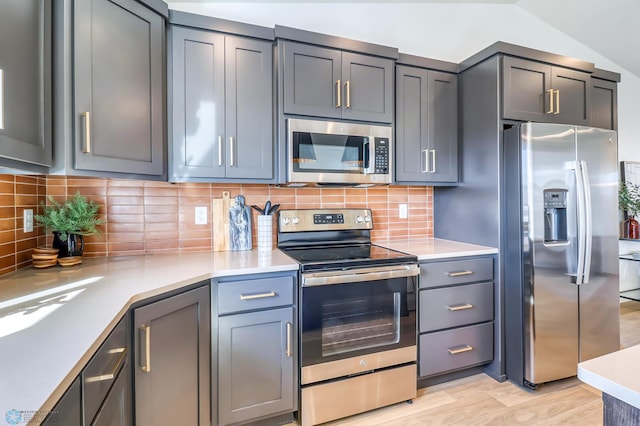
(363, 363)
(285, 220)
(367, 218)
(295, 220)
(359, 219)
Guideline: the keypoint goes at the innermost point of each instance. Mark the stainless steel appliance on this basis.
(357, 314)
(561, 238)
(329, 153)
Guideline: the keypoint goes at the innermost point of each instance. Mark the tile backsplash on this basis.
(147, 217)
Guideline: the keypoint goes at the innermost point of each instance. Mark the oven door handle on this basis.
(359, 275)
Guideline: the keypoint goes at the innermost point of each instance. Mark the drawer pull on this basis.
(146, 330)
(460, 307)
(258, 295)
(460, 349)
(459, 273)
(114, 371)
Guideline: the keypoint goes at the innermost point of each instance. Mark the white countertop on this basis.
(617, 374)
(52, 320)
(435, 248)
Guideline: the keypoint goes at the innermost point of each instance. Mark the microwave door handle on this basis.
(366, 156)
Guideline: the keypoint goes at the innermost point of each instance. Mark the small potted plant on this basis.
(629, 202)
(70, 222)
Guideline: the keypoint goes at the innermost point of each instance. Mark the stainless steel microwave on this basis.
(336, 153)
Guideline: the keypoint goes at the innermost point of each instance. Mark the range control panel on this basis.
(324, 219)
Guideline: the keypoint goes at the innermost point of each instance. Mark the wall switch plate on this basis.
(27, 220)
(403, 211)
(201, 215)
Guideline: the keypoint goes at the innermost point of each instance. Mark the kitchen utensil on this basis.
(273, 209)
(267, 207)
(220, 214)
(258, 209)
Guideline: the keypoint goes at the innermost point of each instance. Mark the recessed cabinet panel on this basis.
(119, 84)
(367, 88)
(443, 127)
(604, 100)
(573, 96)
(525, 86)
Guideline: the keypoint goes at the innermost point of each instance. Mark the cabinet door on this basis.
(255, 365)
(604, 104)
(198, 133)
(68, 411)
(367, 88)
(172, 356)
(525, 90)
(443, 127)
(116, 409)
(312, 80)
(249, 108)
(119, 82)
(25, 81)
(412, 124)
(572, 91)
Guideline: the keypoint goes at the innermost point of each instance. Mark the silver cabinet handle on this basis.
(459, 273)
(425, 160)
(433, 161)
(550, 111)
(258, 295)
(146, 334)
(288, 349)
(460, 307)
(338, 94)
(557, 102)
(460, 349)
(86, 148)
(219, 151)
(116, 367)
(348, 87)
(1, 99)
(231, 151)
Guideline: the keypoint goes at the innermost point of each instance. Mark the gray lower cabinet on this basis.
(330, 83)
(68, 410)
(535, 91)
(257, 347)
(25, 84)
(604, 104)
(116, 409)
(172, 360)
(426, 126)
(118, 86)
(222, 107)
(455, 315)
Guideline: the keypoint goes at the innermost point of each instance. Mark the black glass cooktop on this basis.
(347, 256)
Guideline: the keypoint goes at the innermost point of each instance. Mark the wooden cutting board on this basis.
(220, 217)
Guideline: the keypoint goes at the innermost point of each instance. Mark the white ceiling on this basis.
(609, 27)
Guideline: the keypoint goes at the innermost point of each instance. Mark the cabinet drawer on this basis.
(438, 274)
(455, 306)
(238, 296)
(101, 371)
(443, 351)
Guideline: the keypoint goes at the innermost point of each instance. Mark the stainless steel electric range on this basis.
(357, 314)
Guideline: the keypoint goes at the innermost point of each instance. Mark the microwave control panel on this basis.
(381, 163)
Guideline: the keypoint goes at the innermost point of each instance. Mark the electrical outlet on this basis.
(201, 215)
(403, 211)
(27, 220)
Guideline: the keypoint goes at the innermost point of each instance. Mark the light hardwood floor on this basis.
(480, 400)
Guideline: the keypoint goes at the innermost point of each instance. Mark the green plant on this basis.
(629, 198)
(75, 216)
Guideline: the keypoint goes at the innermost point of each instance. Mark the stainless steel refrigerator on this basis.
(560, 230)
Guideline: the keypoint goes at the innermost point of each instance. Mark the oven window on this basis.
(353, 319)
(360, 323)
(319, 152)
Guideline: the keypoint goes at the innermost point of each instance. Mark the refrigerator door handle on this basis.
(588, 222)
(580, 195)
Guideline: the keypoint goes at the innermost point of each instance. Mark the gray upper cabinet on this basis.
(330, 83)
(534, 91)
(119, 80)
(25, 84)
(172, 353)
(604, 104)
(426, 126)
(222, 107)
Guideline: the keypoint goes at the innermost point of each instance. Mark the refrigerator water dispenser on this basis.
(555, 216)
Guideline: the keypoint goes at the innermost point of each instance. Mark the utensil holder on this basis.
(265, 232)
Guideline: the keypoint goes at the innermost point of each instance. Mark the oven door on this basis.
(349, 314)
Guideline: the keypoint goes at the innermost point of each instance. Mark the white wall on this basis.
(449, 32)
